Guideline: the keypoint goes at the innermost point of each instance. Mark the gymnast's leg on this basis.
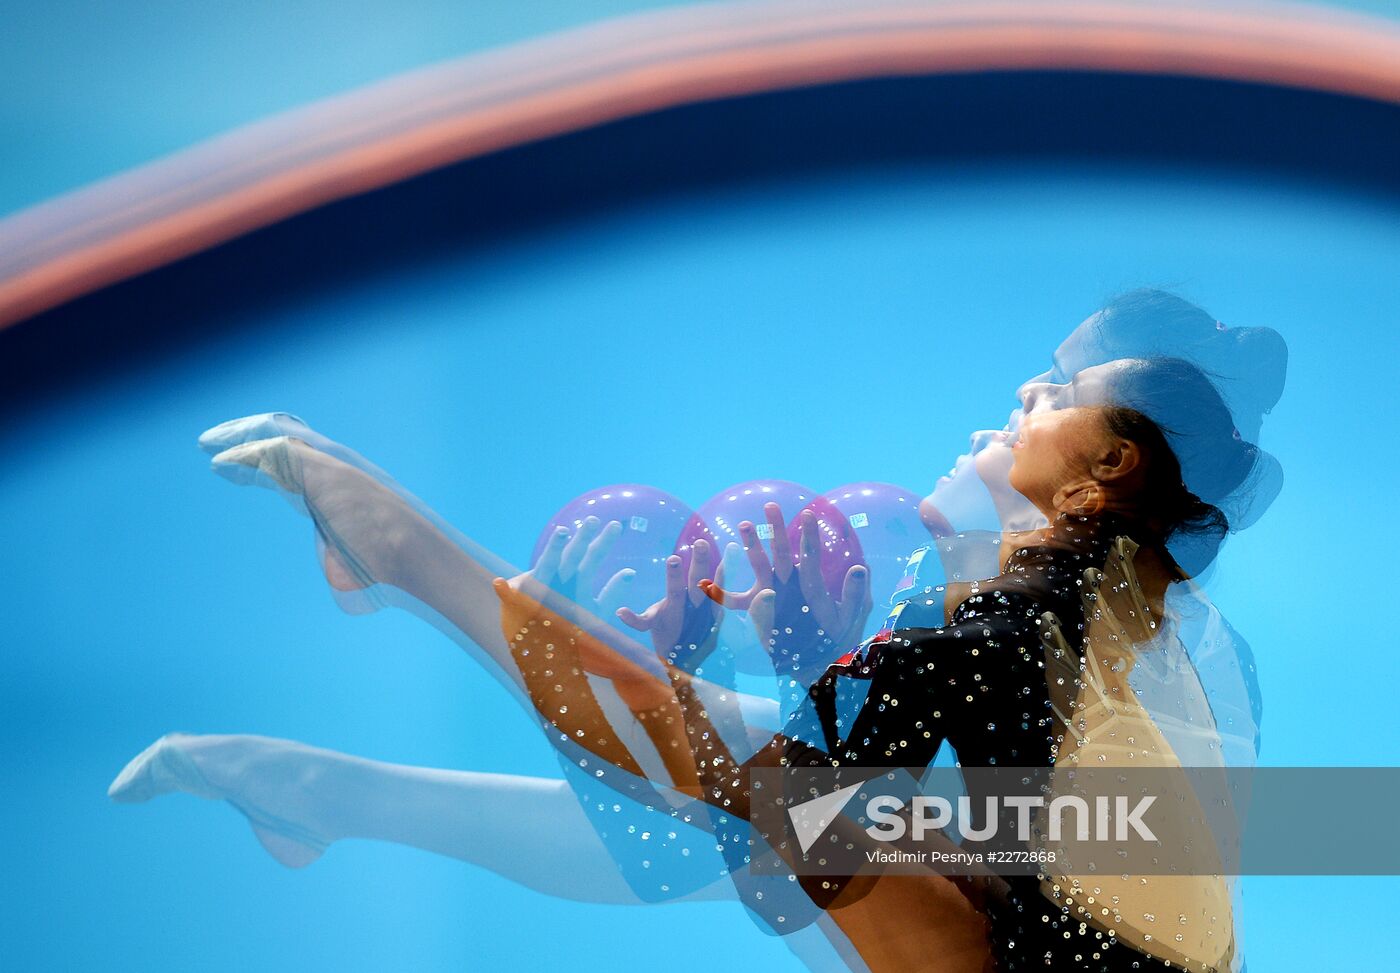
(300, 799)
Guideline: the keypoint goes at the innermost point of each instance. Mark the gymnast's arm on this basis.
(673, 712)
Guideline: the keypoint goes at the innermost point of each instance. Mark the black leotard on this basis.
(980, 682)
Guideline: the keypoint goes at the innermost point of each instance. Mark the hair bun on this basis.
(1258, 487)
(1251, 366)
(1248, 364)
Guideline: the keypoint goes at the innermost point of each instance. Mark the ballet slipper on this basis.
(274, 425)
(167, 767)
(162, 768)
(277, 463)
(272, 462)
(367, 524)
(266, 425)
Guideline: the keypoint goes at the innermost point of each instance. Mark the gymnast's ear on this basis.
(1118, 460)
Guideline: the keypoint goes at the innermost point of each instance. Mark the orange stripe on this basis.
(731, 39)
(600, 74)
(539, 68)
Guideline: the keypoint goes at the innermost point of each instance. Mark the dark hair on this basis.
(1196, 457)
(1248, 364)
(1247, 367)
(1174, 507)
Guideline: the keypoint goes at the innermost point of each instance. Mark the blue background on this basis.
(140, 595)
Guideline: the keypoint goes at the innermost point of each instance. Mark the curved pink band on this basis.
(392, 130)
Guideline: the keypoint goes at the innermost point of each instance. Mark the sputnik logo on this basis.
(810, 819)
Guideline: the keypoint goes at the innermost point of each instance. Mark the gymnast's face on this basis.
(1053, 450)
(1088, 387)
(1041, 400)
(1091, 343)
(977, 494)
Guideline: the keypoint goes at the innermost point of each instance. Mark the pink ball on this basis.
(885, 520)
(717, 521)
(840, 546)
(651, 520)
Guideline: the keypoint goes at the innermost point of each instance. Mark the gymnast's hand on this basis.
(800, 624)
(569, 565)
(684, 624)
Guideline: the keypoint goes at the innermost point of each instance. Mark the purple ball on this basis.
(717, 521)
(718, 518)
(651, 520)
(885, 519)
(840, 545)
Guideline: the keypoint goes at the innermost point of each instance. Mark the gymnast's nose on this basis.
(1038, 396)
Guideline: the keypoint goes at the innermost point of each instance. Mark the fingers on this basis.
(547, 567)
(761, 614)
(631, 619)
(782, 550)
(577, 546)
(675, 580)
(753, 547)
(736, 600)
(729, 563)
(809, 561)
(675, 590)
(855, 598)
(598, 549)
(715, 590)
(701, 563)
(504, 591)
(616, 590)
